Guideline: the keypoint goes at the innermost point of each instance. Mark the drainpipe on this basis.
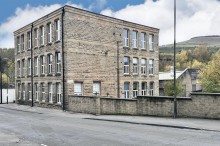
(32, 93)
(63, 12)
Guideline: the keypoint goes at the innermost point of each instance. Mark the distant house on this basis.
(188, 77)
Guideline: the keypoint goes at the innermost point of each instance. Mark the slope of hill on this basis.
(212, 42)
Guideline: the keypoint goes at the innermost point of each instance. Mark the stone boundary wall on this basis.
(199, 105)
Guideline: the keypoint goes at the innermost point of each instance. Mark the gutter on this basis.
(63, 12)
(32, 89)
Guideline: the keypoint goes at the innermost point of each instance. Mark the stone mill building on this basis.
(71, 51)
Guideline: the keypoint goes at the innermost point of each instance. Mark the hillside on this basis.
(212, 42)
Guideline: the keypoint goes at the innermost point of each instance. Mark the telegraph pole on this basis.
(175, 101)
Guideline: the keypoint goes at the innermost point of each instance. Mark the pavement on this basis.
(182, 123)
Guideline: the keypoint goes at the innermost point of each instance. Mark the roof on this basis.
(170, 76)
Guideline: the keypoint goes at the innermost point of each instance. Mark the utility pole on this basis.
(175, 101)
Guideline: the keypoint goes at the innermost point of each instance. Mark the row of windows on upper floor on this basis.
(49, 33)
(135, 40)
(135, 62)
(39, 62)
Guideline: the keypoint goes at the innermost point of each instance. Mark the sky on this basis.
(194, 17)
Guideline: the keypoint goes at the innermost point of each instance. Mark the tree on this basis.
(210, 75)
(169, 88)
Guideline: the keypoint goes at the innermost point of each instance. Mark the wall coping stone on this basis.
(204, 94)
(104, 97)
(165, 97)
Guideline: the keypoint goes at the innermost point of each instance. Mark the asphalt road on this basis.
(25, 128)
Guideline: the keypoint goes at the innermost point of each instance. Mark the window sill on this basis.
(50, 103)
(36, 47)
(37, 101)
(126, 74)
(151, 50)
(50, 43)
(58, 104)
(58, 74)
(49, 74)
(41, 46)
(57, 41)
(35, 75)
(126, 47)
(42, 102)
(22, 51)
(29, 76)
(151, 75)
(143, 49)
(135, 74)
(29, 49)
(135, 48)
(143, 75)
(42, 75)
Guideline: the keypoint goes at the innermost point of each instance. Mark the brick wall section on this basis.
(199, 105)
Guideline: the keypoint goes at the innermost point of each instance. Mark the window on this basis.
(151, 88)
(143, 40)
(151, 42)
(29, 40)
(50, 59)
(96, 88)
(36, 38)
(36, 65)
(29, 66)
(18, 44)
(135, 89)
(42, 92)
(58, 93)
(22, 42)
(42, 62)
(19, 68)
(36, 92)
(58, 63)
(23, 91)
(19, 91)
(50, 91)
(143, 88)
(42, 35)
(23, 67)
(78, 88)
(134, 39)
(125, 37)
(151, 66)
(57, 25)
(143, 66)
(135, 66)
(193, 87)
(49, 33)
(126, 90)
(29, 91)
(126, 65)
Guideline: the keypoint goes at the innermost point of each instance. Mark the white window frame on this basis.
(19, 68)
(151, 42)
(143, 66)
(126, 65)
(96, 88)
(42, 35)
(29, 39)
(143, 88)
(58, 62)
(50, 63)
(42, 64)
(29, 66)
(42, 92)
(36, 37)
(19, 91)
(126, 37)
(151, 89)
(23, 67)
(29, 91)
(23, 91)
(143, 40)
(151, 66)
(36, 92)
(36, 65)
(49, 33)
(50, 92)
(78, 88)
(18, 44)
(22, 42)
(58, 88)
(57, 25)
(134, 39)
(135, 90)
(135, 66)
(126, 91)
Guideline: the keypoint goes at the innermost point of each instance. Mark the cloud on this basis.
(98, 5)
(194, 17)
(23, 17)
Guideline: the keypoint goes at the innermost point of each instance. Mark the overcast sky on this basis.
(194, 17)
